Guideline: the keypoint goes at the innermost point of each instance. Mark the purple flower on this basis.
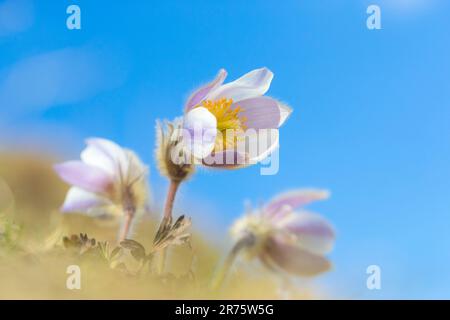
(219, 118)
(109, 180)
(283, 239)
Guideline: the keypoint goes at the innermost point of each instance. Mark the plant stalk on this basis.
(167, 217)
(223, 272)
(128, 219)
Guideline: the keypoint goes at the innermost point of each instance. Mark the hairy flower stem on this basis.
(127, 220)
(167, 220)
(173, 187)
(222, 273)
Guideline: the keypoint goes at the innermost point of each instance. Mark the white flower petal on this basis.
(264, 142)
(96, 157)
(114, 152)
(200, 131)
(253, 84)
(80, 200)
(285, 112)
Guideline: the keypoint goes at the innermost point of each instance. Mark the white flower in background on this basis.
(109, 180)
(287, 240)
(220, 116)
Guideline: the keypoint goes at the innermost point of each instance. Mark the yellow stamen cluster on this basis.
(229, 121)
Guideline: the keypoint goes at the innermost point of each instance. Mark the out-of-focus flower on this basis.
(283, 239)
(221, 120)
(109, 180)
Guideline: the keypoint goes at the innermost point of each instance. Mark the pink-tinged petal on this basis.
(259, 113)
(295, 199)
(293, 259)
(116, 153)
(82, 175)
(278, 216)
(79, 200)
(201, 93)
(251, 85)
(314, 233)
(200, 131)
(285, 112)
(226, 159)
(262, 143)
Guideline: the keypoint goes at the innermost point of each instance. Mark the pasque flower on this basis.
(221, 120)
(109, 180)
(284, 239)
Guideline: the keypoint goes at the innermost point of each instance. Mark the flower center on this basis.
(230, 123)
(227, 117)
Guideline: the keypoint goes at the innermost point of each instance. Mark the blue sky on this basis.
(370, 123)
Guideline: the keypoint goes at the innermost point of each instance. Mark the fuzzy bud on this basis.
(172, 159)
